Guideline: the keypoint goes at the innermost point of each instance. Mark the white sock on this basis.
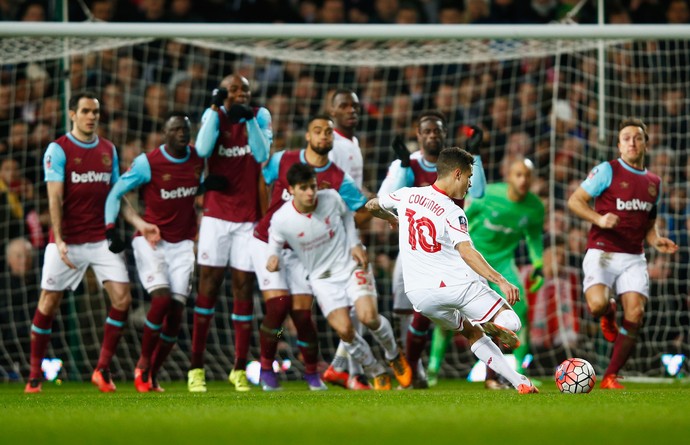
(354, 367)
(360, 351)
(404, 320)
(488, 352)
(341, 358)
(385, 337)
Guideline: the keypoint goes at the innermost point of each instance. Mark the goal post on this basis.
(539, 91)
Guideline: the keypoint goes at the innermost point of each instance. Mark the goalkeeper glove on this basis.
(401, 151)
(218, 96)
(474, 136)
(115, 243)
(536, 278)
(240, 111)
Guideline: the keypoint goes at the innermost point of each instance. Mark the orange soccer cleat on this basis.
(608, 323)
(402, 370)
(524, 388)
(142, 382)
(33, 386)
(382, 382)
(334, 377)
(358, 383)
(610, 381)
(101, 378)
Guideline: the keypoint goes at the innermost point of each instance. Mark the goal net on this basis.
(555, 100)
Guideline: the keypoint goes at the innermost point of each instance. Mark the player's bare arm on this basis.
(56, 191)
(377, 211)
(149, 231)
(362, 216)
(273, 263)
(477, 263)
(578, 203)
(359, 254)
(660, 243)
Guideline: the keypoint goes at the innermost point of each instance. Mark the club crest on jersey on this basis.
(49, 162)
(463, 224)
(197, 172)
(77, 161)
(652, 190)
(107, 161)
(624, 185)
(167, 176)
(325, 185)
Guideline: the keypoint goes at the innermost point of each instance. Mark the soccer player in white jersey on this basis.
(442, 270)
(321, 230)
(346, 154)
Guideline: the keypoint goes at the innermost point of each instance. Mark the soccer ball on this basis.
(575, 376)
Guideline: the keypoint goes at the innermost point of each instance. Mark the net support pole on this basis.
(601, 68)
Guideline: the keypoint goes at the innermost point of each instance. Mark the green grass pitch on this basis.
(455, 412)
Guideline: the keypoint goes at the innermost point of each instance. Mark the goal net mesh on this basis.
(538, 98)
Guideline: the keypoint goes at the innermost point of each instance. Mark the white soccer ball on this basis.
(575, 376)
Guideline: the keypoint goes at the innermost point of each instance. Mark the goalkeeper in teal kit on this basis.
(506, 214)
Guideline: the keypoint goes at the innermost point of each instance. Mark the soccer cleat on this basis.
(238, 377)
(33, 386)
(524, 388)
(142, 382)
(196, 380)
(314, 381)
(340, 378)
(382, 382)
(155, 386)
(505, 336)
(402, 370)
(496, 384)
(269, 380)
(102, 379)
(610, 381)
(608, 323)
(358, 383)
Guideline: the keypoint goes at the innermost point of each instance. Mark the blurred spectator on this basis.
(184, 11)
(32, 11)
(385, 11)
(332, 11)
(678, 12)
(408, 14)
(450, 13)
(154, 112)
(646, 11)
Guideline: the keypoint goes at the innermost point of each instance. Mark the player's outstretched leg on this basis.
(625, 343)
(336, 373)
(242, 317)
(166, 342)
(417, 334)
(308, 343)
(608, 324)
(277, 309)
(41, 328)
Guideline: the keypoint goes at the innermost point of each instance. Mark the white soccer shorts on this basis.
(400, 301)
(449, 306)
(624, 272)
(342, 291)
(107, 266)
(170, 265)
(291, 277)
(224, 243)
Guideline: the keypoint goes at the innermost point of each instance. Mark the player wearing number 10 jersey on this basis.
(445, 286)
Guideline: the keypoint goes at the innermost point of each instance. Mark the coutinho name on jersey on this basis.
(427, 204)
(234, 152)
(90, 176)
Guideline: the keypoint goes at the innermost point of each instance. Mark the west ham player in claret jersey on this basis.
(287, 290)
(321, 231)
(236, 139)
(79, 169)
(442, 269)
(419, 170)
(168, 178)
(626, 196)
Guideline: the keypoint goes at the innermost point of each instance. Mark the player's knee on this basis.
(509, 320)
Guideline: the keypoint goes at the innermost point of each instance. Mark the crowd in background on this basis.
(514, 101)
